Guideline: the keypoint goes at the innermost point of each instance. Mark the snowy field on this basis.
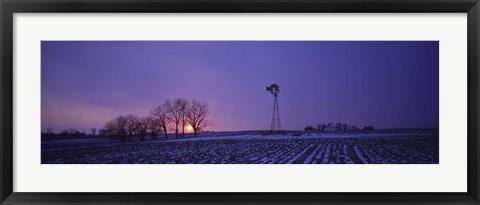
(420, 147)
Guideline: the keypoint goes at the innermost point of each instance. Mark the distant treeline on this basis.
(331, 127)
(170, 116)
(68, 132)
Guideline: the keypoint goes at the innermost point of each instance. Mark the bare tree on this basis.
(117, 127)
(142, 127)
(102, 132)
(197, 116)
(73, 131)
(153, 126)
(49, 130)
(161, 116)
(94, 131)
(183, 104)
(131, 125)
(177, 110)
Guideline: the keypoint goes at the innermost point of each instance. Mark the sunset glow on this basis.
(341, 102)
(387, 84)
(189, 128)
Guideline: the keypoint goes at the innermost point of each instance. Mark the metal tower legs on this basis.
(276, 116)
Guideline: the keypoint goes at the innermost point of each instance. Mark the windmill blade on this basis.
(274, 89)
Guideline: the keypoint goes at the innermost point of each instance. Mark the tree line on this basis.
(337, 127)
(171, 115)
(68, 132)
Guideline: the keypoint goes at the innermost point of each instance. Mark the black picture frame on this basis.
(9, 7)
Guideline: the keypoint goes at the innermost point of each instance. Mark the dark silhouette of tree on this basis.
(93, 131)
(64, 132)
(73, 132)
(102, 132)
(183, 103)
(118, 127)
(49, 131)
(153, 126)
(180, 112)
(309, 128)
(321, 127)
(132, 121)
(338, 126)
(197, 116)
(142, 127)
(367, 128)
(161, 115)
(177, 111)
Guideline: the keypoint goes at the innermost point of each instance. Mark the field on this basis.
(379, 147)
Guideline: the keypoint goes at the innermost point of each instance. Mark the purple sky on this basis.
(384, 84)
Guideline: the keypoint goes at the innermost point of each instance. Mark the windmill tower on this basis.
(274, 89)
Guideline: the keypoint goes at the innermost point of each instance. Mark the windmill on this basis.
(274, 89)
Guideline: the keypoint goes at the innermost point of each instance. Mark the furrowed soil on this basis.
(240, 148)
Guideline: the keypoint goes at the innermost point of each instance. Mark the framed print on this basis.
(251, 102)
